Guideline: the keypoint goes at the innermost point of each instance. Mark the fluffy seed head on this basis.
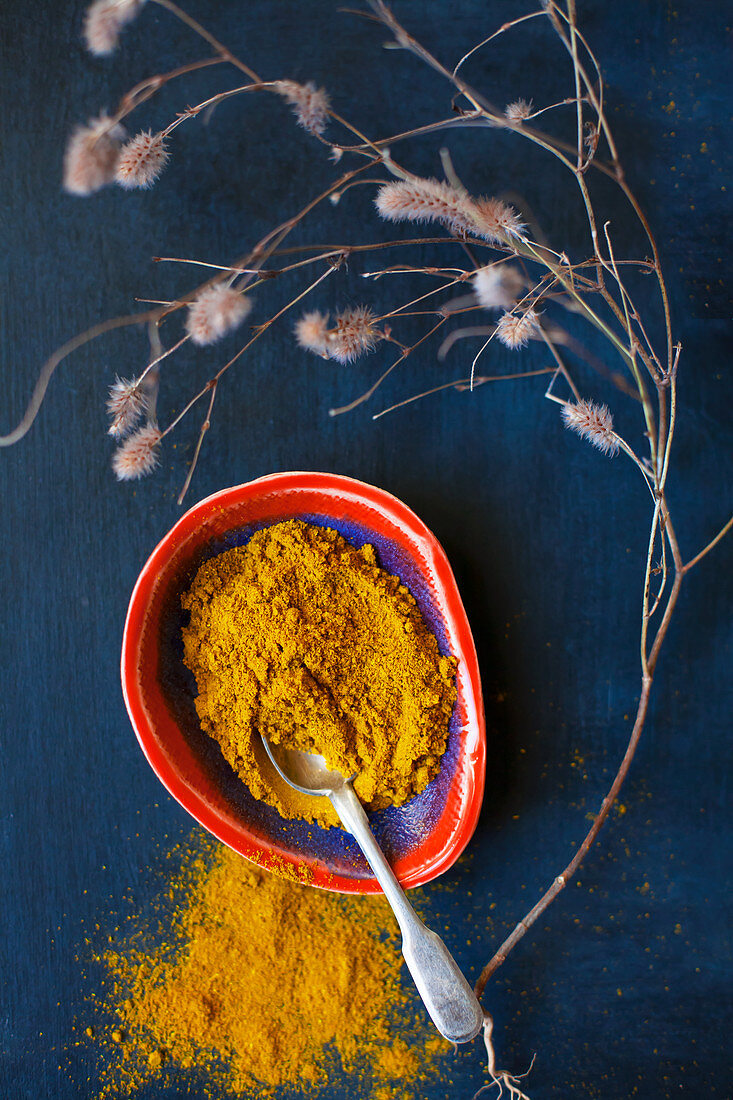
(514, 332)
(138, 455)
(353, 334)
(592, 422)
(518, 110)
(495, 220)
(215, 312)
(91, 156)
(311, 332)
(419, 200)
(310, 104)
(125, 406)
(104, 21)
(497, 286)
(141, 160)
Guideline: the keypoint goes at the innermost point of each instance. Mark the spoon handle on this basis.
(449, 999)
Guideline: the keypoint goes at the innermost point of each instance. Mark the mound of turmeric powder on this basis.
(258, 987)
(301, 636)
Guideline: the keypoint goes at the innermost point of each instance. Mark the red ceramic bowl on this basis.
(424, 837)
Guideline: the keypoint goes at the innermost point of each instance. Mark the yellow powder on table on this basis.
(263, 985)
(303, 637)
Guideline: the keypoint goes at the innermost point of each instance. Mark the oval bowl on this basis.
(422, 838)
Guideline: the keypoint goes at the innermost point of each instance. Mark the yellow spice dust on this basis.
(301, 636)
(264, 984)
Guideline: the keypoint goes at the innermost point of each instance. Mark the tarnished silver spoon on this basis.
(446, 994)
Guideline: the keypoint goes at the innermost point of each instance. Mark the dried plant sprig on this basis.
(104, 22)
(215, 312)
(498, 286)
(430, 200)
(353, 334)
(91, 156)
(125, 405)
(142, 160)
(495, 221)
(420, 200)
(310, 104)
(311, 332)
(592, 422)
(519, 110)
(515, 331)
(139, 454)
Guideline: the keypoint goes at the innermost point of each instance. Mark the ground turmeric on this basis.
(260, 985)
(302, 636)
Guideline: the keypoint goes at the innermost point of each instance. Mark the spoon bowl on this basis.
(307, 772)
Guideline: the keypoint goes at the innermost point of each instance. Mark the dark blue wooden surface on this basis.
(621, 989)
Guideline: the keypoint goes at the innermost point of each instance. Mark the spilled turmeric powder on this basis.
(303, 637)
(261, 984)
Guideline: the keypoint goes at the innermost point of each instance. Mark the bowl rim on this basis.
(234, 836)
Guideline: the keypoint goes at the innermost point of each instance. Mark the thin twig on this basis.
(58, 357)
(204, 429)
(713, 542)
(372, 389)
(147, 88)
(462, 384)
(220, 48)
(561, 881)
